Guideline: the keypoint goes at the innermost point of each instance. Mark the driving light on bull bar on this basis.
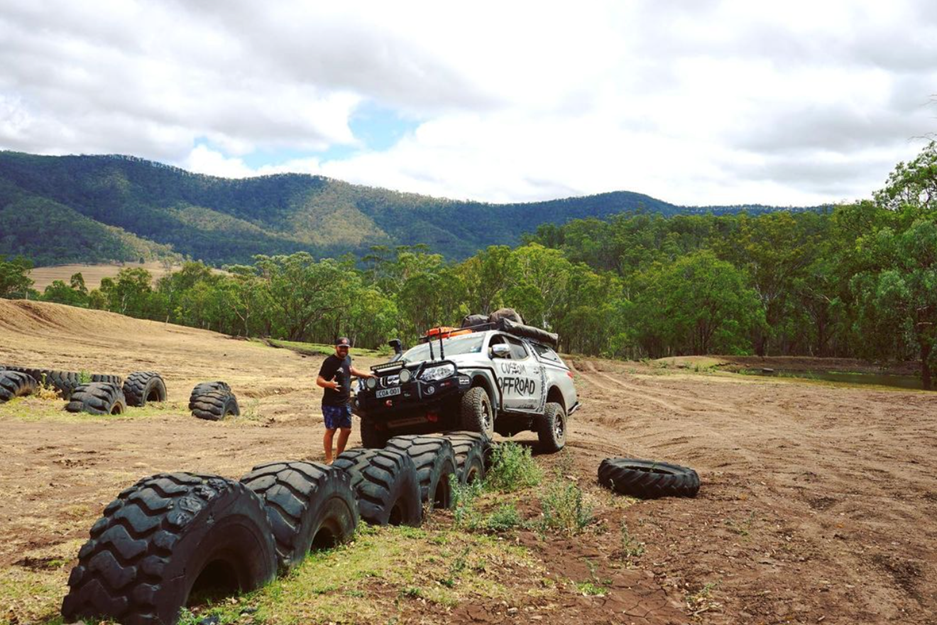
(371, 383)
(405, 376)
(437, 373)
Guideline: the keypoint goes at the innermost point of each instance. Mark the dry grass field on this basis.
(93, 274)
(817, 506)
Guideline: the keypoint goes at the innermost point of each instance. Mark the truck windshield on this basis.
(465, 344)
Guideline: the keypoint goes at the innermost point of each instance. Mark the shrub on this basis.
(513, 468)
(564, 508)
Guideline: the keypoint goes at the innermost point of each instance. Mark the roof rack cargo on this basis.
(505, 325)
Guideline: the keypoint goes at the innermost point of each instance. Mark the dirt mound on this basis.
(54, 336)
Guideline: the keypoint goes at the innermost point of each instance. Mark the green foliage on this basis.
(696, 305)
(513, 468)
(14, 278)
(564, 508)
(104, 208)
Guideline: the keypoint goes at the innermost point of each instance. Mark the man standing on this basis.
(335, 377)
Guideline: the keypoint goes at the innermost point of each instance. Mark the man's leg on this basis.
(327, 443)
(343, 435)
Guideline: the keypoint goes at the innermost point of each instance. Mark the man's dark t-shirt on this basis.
(339, 370)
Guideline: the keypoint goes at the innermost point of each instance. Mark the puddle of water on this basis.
(899, 381)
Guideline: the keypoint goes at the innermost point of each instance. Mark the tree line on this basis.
(858, 280)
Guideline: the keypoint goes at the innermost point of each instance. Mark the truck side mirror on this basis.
(500, 350)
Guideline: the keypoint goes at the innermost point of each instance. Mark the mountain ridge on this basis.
(125, 208)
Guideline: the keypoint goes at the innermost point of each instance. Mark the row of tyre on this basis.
(173, 535)
(110, 394)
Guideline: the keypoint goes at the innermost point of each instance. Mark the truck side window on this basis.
(546, 353)
(518, 351)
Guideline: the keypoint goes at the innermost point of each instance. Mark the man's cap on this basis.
(343, 342)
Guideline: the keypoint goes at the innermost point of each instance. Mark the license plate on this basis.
(388, 392)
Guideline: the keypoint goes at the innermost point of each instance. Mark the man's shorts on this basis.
(337, 416)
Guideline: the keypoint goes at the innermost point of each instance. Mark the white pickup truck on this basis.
(487, 381)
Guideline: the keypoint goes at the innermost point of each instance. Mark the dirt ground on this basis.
(818, 502)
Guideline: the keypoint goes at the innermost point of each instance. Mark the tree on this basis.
(697, 305)
(14, 278)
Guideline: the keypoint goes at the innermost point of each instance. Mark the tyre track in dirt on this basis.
(824, 471)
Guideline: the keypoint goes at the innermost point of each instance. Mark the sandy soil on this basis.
(818, 502)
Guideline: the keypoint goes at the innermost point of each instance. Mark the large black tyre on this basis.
(310, 505)
(144, 386)
(434, 461)
(206, 387)
(648, 479)
(215, 405)
(64, 382)
(165, 537)
(97, 398)
(372, 437)
(472, 455)
(106, 377)
(477, 414)
(386, 485)
(551, 428)
(16, 384)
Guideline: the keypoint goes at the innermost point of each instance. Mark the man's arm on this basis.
(320, 381)
(361, 374)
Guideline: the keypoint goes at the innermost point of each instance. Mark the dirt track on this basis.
(818, 502)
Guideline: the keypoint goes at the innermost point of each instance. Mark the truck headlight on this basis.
(405, 376)
(371, 383)
(437, 373)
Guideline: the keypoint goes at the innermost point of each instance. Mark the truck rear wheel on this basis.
(551, 428)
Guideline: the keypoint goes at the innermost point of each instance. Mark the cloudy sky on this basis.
(690, 101)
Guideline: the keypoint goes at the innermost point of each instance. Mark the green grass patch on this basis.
(31, 408)
(406, 563)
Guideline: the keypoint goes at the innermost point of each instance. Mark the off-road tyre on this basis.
(144, 386)
(215, 405)
(64, 382)
(97, 398)
(310, 505)
(434, 461)
(156, 540)
(372, 437)
(16, 384)
(385, 484)
(105, 377)
(551, 428)
(472, 455)
(206, 387)
(648, 479)
(477, 414)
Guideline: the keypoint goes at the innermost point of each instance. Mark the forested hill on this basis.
(111, 208)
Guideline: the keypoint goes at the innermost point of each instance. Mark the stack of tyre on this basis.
(103, 394)
(172, 535)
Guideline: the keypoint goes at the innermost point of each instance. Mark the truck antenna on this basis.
(432, 357)
(442, 354)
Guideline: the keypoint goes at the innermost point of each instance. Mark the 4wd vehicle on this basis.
(499, 377)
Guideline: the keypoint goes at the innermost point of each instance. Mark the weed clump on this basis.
(564, 509)
(513, 468)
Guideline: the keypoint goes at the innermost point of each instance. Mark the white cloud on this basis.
(692, 102)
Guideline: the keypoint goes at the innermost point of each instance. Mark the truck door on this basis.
(521, 378)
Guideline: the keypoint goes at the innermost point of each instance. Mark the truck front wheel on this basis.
(477, 413)
(371, 437)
